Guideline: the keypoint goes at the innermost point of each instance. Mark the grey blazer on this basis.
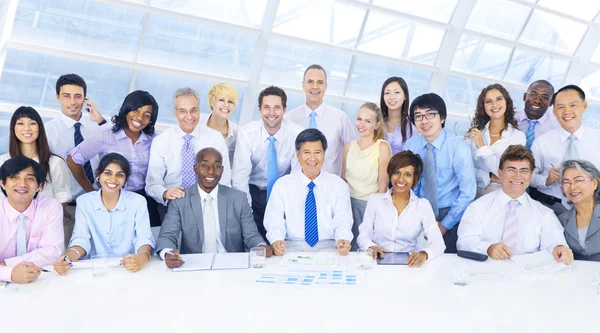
(185, 217)
(592, 239)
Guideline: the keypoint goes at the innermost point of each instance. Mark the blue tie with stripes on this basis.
(271, 165)
(530, 133)
(311, 226)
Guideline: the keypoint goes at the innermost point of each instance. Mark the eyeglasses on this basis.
(513, 171)
(544, 98)
(576, 182)
(427, 115)
(316, 154)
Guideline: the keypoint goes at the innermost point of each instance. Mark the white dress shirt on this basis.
(61, 132)
(335, 125)
(487, 158)
(549, 151)
(482, 225)
(284, 215)
(231, 137)
(59, 187)
(382, 226)
(547, 122)
(164, 168)
(250, 159)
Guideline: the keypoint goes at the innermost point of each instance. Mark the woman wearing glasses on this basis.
(494, 128)
(579, 180)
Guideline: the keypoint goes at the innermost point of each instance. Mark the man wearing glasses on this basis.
(534, 120)
(448, 179)
(507, 221)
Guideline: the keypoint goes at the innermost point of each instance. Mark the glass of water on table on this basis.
(258, 256)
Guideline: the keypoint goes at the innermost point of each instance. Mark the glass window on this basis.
(398, 38)
(439, 10)
(319, 21)
(197, 47)
(241, 12)
(596, 56)
(163, 86)
(527, 66)
(553, 32)
(30, 79)
(584, 9)
(79, 25)
(591, 82)
(370, 73)
(591, 117)
(500, 18)
(481, 57)
(285, 63)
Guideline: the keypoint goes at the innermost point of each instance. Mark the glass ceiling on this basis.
(160, 45)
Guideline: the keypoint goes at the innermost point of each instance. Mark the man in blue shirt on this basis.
(448, 179)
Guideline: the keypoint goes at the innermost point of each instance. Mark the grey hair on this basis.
(584, 167)
(186, 91)
(314, 66)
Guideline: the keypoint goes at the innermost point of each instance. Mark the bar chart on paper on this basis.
(308, 278)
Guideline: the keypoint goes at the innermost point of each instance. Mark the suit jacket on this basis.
(592, 239)
(185, 217)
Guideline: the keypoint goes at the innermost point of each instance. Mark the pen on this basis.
(45, 270)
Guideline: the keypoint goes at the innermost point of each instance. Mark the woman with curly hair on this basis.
(131, 136)
(494, 128)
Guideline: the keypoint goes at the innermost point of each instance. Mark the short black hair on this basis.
(579, 91)
(272, 91)
(429, 101)
(209, 150)
(114, 158)
(311, 135)
(132, 102)
(17, 164)
(314, 66)
(73, 79)
(544, 82)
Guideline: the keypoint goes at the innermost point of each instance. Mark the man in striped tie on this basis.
(309, 210)
(507, 221)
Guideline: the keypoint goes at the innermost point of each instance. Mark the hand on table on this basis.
(499, 251)
(173, 260)
(342, 246)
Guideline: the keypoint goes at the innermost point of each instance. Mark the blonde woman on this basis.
(222, 99)
(365, 161)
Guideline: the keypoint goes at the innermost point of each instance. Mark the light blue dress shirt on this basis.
(455, 173)
(115, 233)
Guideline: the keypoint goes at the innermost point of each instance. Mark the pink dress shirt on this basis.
(45, 235)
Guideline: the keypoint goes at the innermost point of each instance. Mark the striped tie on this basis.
(311, 226)
(272, 172)
(188, 177)
(511, 226)
(87, 167)
(530, 135)
(313, 120)
(571, 153)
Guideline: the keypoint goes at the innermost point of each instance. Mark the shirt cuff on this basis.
(12, 261)
(483, 151)
(163, 252)
(6, 273)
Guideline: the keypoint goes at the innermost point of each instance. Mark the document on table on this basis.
(310, 259)
(541, 262)
(208, 261)
(87, 263)
(308, 278)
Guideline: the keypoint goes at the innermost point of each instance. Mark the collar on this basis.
(504, 134)
(318, 181)
(387, 196)
(203, 195)
(70, 122)
(121, 135)
(97, 203)
(564, 135)
(264, 135)
(437, 143)
(522, 117)
(320, 110)
(195, 133)
(13, 214)
(505, 199)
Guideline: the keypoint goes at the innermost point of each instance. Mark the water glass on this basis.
(258, 255)
(365, 258)
(461, 274)
(99, 266)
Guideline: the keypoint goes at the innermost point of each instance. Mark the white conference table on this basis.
(389, 299)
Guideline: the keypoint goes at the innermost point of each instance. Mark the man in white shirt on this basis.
(211, 218)
(173, 152)
(507, 221)
(264, 151)
(309, 210)
(332, 122)
(71, 128)
(571, 141)
(533, 120)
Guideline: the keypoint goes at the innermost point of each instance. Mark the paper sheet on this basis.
(231, 261)
(87, 263)
(308, 278)
(541, 262)
(195, 262)
(313, 259)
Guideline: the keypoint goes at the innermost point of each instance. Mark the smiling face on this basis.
(494, 104)
(187, 111)
(112, 178)
(21, 187)
(208, 169)
(271, 111)
(403, 179)
(26, 130)
(311, 157)
(222, 107)
(581, 186)
(569, 109)
(515, 177)
(71, 100)
(393, 96)
(537, 99)
(314, 86)
(429, 128)
(366, 122)
(139, 119)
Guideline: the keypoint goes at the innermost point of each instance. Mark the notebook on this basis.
(208, 261)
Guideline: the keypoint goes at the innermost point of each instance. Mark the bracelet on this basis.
(146, 251)
(74, 249)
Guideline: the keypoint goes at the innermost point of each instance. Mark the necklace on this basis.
(494, 135)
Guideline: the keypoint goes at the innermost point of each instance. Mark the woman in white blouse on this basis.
(28, 138)
(222, 99)
(394, 220)
(494, 128)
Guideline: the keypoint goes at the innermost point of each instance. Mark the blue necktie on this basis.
(87, 167)
(188, 177)
(271, 165)
(530, 135)
(22, 237)
(429, 180)
(313, 120)
(311, 226)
